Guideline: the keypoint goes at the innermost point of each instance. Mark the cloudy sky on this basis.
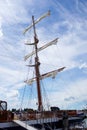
(68, 22)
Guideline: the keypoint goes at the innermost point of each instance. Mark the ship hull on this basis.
(10, 126)
(48, 124)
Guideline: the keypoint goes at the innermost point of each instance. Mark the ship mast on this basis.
(37, 64)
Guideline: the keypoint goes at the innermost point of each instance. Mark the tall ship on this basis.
(40, 119)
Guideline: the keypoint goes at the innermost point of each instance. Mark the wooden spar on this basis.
(35, 22)
(37, 64)
(41, 48)
(46, 75)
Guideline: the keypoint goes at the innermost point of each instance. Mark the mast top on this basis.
(35, 22)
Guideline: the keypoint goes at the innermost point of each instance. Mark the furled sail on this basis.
(39, 19)
(46, 75)
(41, 48)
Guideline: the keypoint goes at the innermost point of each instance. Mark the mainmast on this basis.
(37, 64)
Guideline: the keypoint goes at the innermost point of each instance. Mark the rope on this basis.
(27, 77)
(22, 98)
(45, 95)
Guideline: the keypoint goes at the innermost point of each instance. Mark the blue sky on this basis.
(68, 22)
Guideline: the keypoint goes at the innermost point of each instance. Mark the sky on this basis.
(68, 22)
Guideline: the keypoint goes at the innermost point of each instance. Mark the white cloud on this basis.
(84, 65)
(77, 90)
(12, 12)
(12, 94)
(1, 33)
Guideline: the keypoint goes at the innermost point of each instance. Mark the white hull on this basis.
(39, 122)
(8, 124)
